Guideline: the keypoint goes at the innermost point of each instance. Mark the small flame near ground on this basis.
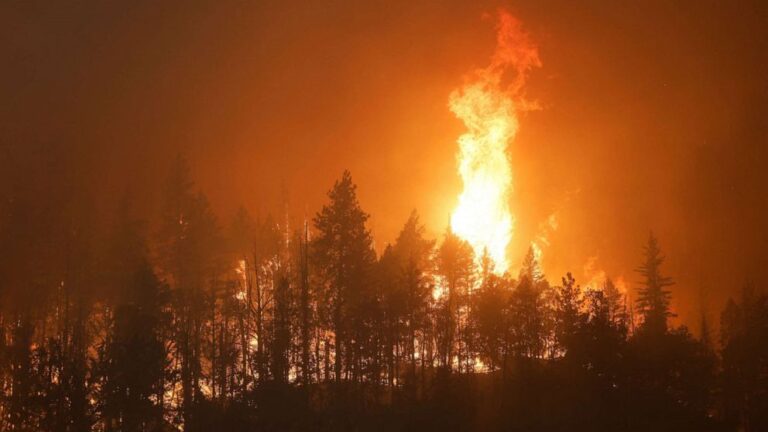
(489, 109)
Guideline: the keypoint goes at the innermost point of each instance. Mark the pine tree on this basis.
(133, 362)
(569, 319)
(266, 264)
(653, 297)
(528, 320)
(343, 251)
(305, 306)
(744, 328)
(281, 328)
(490, 321)
(456, 268)
(601, 340)
(242, 236)
(405, 276)
(531, 268)
(188, 244)
(615, 304)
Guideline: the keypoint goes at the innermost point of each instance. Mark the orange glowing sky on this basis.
(652, 116)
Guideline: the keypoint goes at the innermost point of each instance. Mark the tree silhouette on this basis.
(104, 329)
(491, 322)
(344, 255)
(132, 362)
(615, 303)
(187, 242)
(569, 318)
(653, 297)
(405, 273)
(528, 316)
(745, 359)
(455, 265)
(531, 268)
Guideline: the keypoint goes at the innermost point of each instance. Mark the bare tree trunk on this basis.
(260, 369)
(305, 339)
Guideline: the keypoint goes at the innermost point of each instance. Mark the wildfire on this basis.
(489, 108)
(242, 273)
(596, 277)
(541, 241)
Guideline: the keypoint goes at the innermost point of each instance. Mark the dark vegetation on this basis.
(181, 322)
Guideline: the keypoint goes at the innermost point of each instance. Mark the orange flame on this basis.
(542, 241)
(596, 277)
(489, 111)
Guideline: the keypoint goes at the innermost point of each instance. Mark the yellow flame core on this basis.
(483, 217)
(489, 112)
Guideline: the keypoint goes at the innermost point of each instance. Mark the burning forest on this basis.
(377, 217)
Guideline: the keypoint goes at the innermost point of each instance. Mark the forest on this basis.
(182, 320)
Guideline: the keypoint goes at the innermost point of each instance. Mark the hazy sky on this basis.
(653, 116)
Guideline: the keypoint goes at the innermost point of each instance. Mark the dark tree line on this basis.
(181, 323)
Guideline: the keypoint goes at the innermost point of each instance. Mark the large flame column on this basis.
(489, 111)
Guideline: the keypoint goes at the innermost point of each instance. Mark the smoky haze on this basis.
(653, 118)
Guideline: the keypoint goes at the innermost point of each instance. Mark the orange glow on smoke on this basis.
(489, 110)
(595, 277)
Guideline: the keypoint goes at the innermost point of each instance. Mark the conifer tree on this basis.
(132, 362)
(744, 328)
(343, 251)
(188, 243)
(405, 270)
(456, 267)
(615, 304)
(531, 268)
(653, 297)
(569, 319)
(491, 322)
(528, 319)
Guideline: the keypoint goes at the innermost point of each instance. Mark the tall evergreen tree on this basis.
(569, 318)
(267, 248)
(615, 303)
(491, 322)
(744, 330)
(187, 246)
(281, 328)
(133, 363)
(531, 268)
(242, 235)
(405, 271)
(652, 297)
(344, 255)
(456, 268)
(305, 306)
(528, 319)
